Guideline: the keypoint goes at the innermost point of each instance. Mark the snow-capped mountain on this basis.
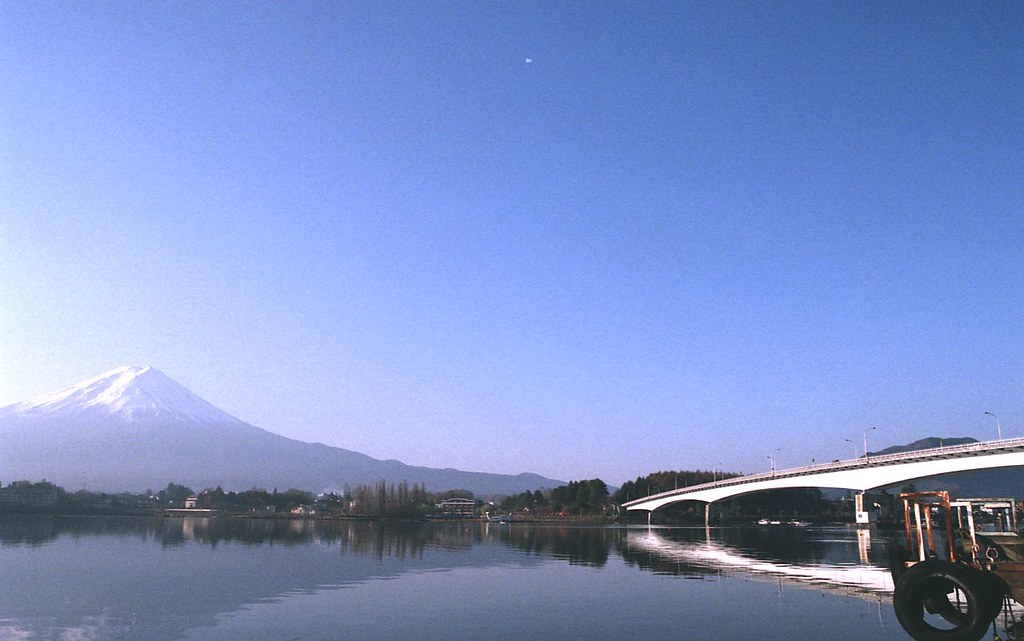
(131, 393)
(135, 428)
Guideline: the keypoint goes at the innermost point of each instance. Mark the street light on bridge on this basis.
(999, 428)
(866, 442)
(854, 447)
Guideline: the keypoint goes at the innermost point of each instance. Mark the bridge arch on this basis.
(857, 474)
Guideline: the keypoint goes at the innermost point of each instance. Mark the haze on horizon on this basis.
(577, 240)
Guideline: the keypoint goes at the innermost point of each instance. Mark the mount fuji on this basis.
(135, 428)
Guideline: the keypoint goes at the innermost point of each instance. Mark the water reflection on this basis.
(577, 545)
(167, 578)
(689, 554)
(588, 546)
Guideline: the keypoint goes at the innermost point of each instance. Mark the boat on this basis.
(962, 566)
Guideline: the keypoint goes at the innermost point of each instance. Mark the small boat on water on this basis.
(953, 579)
(793, 522)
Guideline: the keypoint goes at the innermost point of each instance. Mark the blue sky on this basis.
(580, 239)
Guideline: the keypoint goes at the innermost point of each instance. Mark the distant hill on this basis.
(926, 444)
(135, 428)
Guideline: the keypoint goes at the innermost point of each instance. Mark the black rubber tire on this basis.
(898, 556)
(994, 589)
(927, 585)
(940, 604)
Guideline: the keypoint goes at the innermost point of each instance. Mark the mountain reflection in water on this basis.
(157, 579)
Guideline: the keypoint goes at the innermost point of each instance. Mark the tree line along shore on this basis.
(589, 499)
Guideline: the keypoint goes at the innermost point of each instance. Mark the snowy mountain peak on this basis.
(134, 428)
(129, 392)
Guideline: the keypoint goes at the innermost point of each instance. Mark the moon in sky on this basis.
(529, 60)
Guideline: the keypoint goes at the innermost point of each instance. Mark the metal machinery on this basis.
(962, 563)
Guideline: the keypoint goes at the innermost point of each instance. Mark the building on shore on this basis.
(457, 507)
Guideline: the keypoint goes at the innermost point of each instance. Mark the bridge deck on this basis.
(938, 453)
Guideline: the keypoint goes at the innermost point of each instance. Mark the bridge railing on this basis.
(834, 466)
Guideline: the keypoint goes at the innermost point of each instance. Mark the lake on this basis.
(155, 579)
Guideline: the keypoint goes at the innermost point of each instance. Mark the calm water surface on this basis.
(227, 579)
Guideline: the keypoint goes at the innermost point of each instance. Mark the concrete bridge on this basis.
(860, 474)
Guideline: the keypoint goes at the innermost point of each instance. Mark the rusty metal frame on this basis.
(921, 526)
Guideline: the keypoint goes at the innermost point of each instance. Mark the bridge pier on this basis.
(863, 515)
